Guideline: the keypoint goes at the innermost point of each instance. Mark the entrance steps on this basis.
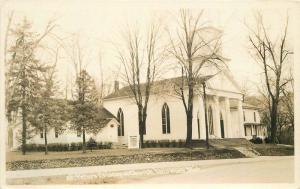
(230, 142)
(241, 144)
(248, 152)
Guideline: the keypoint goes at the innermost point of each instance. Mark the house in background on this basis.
(108, 133)
(252, 124)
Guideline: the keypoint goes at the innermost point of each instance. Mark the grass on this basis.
(37, 160)
(274, 150)
(17, 156)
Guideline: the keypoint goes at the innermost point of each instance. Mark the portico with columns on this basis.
(225, 101)
(222, 124)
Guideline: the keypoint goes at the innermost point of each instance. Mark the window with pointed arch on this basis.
(165, 118)
(210, 121)
(120, 117)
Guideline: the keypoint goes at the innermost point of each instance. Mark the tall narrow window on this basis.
(254, 116)
(42, 133)
(78, 132)
(120, 117)
(165, 118)
(244, 115)
(210, 121)
(56, 132)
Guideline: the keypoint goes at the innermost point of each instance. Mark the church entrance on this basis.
(222, 126)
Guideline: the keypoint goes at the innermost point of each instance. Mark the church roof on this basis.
(157, 87)
(245, 106)
(104, 114)
(249, 106)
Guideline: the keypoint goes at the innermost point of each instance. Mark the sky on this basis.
(99, 25)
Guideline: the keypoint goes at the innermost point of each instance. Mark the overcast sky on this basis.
(99, 24)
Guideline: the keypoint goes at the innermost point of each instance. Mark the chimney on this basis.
(116, 86)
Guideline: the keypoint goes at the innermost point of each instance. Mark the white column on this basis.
(216, 113)
(228, 118)
(202, 118)
(194, 121)
(241, 120)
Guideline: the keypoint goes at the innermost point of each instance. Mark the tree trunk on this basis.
(189, 124)
(274, 122)
(83, 141)
(24, 127)
(141, 126)
(189, 114)
(46, 142)
(141, 140)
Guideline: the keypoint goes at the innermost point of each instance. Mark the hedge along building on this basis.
(166, 118)
(108, 134)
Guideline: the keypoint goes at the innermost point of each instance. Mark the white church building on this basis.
(228, 116)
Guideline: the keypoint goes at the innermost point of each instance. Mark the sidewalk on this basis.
(133, 169)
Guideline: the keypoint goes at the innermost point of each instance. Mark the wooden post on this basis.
(205, 113)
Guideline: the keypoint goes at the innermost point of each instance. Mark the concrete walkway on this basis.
(160, 168)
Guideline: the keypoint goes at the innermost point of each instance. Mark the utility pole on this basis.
(205, 112)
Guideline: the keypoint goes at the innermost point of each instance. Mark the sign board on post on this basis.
(133, 142)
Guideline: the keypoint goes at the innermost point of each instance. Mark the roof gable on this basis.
(223, 81)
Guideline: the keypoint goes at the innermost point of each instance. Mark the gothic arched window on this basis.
(120, 117)
(165, 117)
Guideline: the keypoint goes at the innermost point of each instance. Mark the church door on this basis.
(222, 126)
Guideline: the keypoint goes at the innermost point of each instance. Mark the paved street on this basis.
(278, 170)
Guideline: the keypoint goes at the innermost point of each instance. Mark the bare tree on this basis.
(286, 115)
(193, 49)
(141, 57)
(100, 86)
(288, 102)
(273, 56)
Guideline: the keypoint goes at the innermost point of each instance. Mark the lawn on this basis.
(38, 160)
(17, 156)
(274, 150)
